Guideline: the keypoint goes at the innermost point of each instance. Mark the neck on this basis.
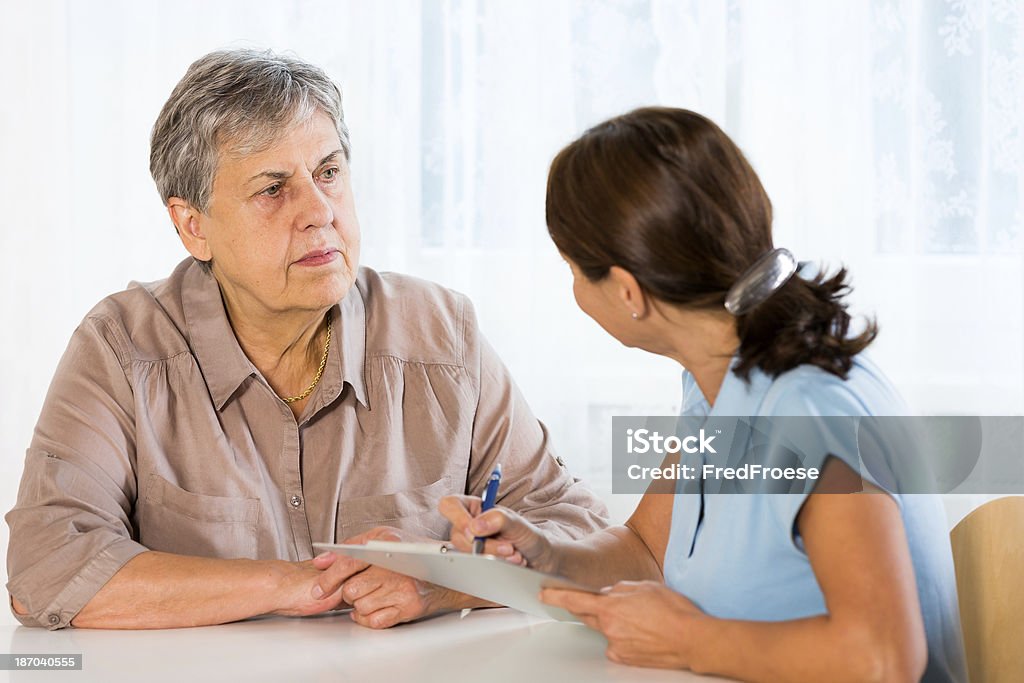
(286, 347)
(702, 342)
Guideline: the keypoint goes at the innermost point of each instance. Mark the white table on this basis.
(488, 645)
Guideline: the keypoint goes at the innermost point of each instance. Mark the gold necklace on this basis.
(319, 371)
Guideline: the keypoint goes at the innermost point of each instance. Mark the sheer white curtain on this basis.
(888, 133)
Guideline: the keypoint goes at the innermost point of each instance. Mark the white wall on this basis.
(888, 135)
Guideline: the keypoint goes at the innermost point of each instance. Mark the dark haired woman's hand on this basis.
(646, 623)
(507, 534)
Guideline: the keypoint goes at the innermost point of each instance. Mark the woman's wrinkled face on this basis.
(281, 227)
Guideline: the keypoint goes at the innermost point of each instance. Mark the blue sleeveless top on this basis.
(741, 557)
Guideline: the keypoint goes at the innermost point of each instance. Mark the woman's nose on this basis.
(314, 210)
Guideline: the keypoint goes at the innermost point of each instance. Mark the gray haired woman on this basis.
(203, 431)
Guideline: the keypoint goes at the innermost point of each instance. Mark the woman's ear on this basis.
(629, 292)
(187, 221)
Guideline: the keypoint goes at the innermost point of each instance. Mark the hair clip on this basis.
(768, 274)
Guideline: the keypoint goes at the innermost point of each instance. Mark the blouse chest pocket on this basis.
(413, 510)
(177, 521)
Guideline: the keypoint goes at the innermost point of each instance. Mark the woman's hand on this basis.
(508, 535)
(298, 583)
(645, 622)
(381, 598)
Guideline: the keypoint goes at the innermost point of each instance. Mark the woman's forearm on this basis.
(812, 649)
(161, 590)
(605, 557)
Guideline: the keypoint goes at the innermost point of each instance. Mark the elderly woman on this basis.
(203, 431)
(668, 233)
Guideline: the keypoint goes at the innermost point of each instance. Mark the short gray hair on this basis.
(238, 100)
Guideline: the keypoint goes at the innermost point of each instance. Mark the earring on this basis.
(635, 316)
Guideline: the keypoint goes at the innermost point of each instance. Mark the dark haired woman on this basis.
(667, 230)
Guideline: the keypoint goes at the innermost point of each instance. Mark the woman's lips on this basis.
(318, 257)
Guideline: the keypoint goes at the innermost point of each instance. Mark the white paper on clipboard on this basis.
(484, 576)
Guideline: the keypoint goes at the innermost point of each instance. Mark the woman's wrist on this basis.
(275, 582)
(551, 559)
(447, 600)
(695, 632)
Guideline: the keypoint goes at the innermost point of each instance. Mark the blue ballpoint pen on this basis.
(489, 497)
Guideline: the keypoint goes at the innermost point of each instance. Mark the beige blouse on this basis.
(158, 433)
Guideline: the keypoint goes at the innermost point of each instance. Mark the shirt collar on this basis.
(225, 366)
(736, 397)
(221, 360)
(346, 360)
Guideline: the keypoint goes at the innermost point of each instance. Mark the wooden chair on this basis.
(988, 552)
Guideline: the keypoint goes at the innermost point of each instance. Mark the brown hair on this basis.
(666, 195)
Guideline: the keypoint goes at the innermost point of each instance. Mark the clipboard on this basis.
(484, 576)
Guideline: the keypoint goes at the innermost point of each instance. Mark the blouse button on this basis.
(296, 501)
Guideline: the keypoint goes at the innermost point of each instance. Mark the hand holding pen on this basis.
(504, 532)
(487, 502)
